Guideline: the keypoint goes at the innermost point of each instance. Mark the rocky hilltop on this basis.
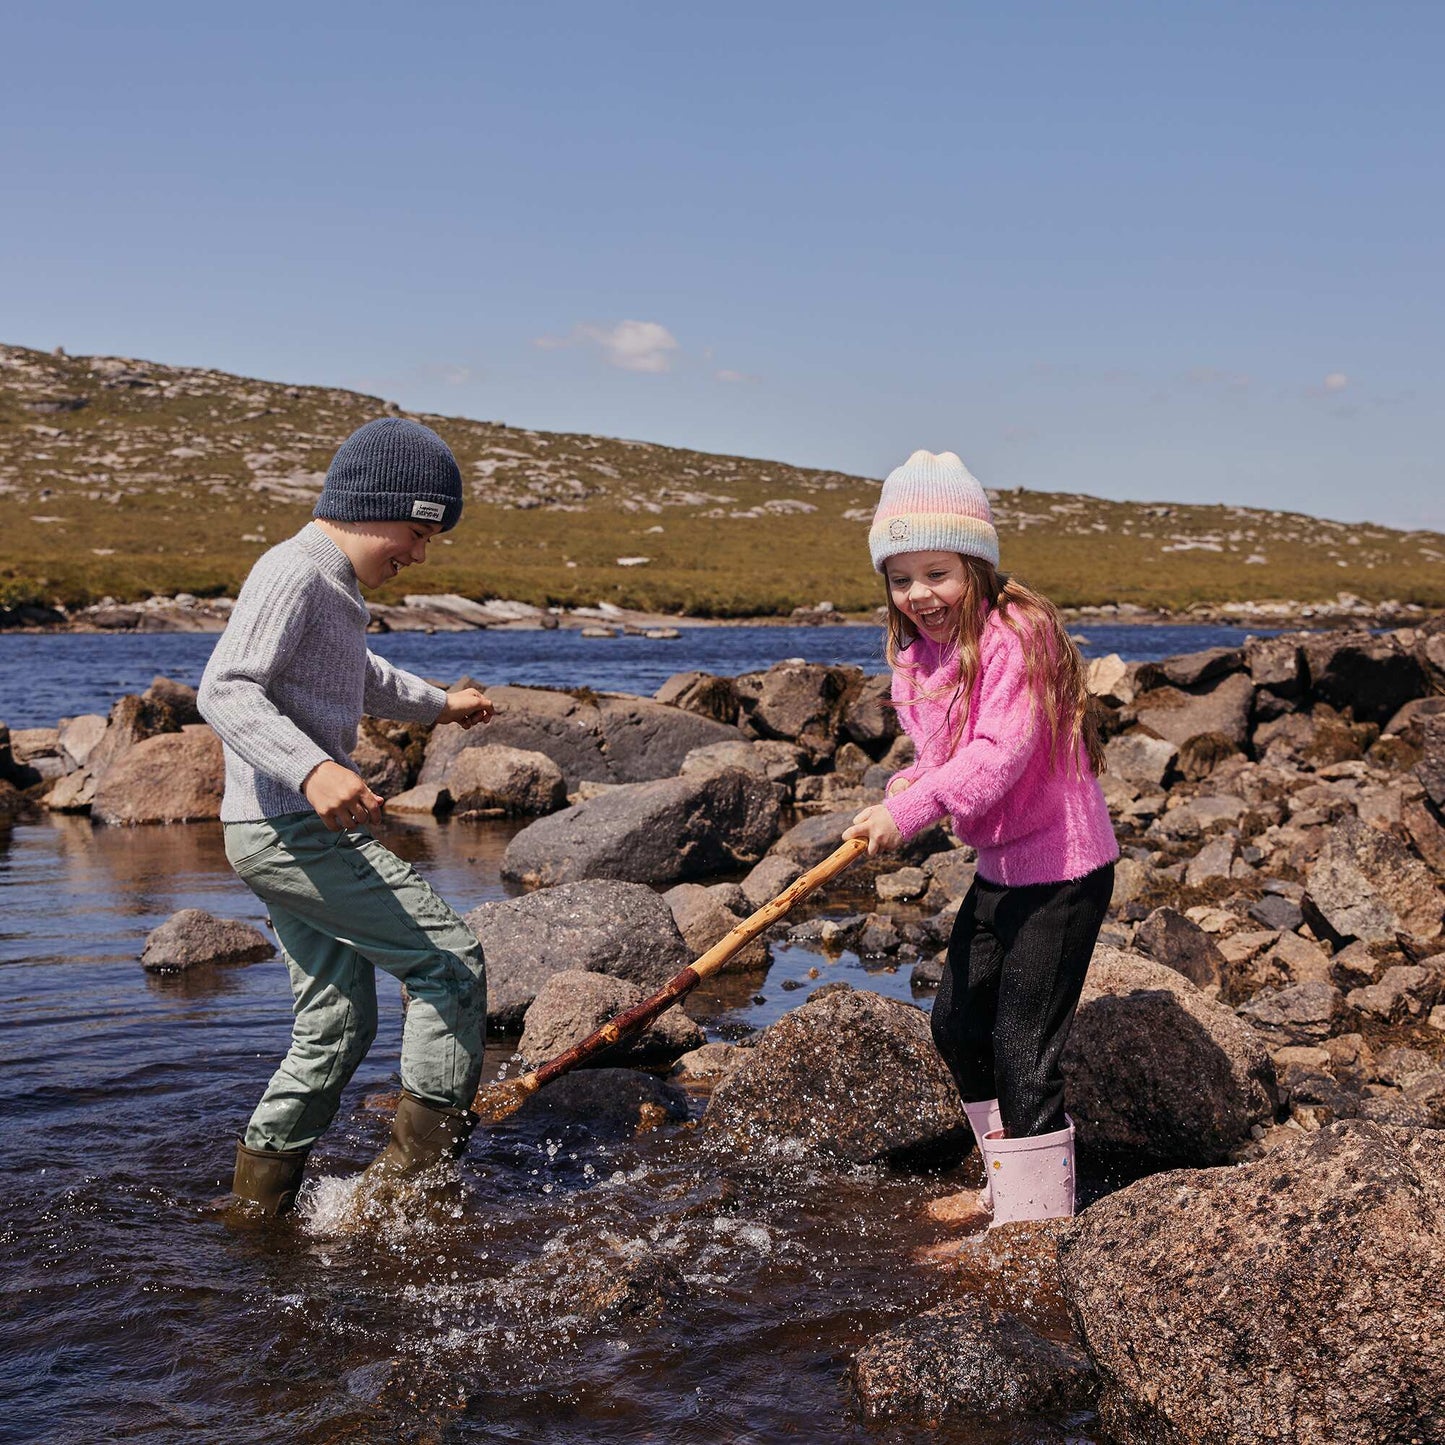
(128, 479)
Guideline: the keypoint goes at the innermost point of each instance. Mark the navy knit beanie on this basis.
(392, 470)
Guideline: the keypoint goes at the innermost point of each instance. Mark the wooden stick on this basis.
(497, 1101)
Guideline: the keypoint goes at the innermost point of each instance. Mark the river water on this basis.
(131, 1313)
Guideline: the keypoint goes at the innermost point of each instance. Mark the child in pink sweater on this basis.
(991, 689)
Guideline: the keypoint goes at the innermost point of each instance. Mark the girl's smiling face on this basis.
(927, 588)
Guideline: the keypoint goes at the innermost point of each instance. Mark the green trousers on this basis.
(343, 906)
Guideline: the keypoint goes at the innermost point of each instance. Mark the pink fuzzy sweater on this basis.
(1030, 821)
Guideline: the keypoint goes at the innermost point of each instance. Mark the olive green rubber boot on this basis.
(421, 1135)
(266, 1180)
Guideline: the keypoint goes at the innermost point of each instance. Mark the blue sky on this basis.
(1169, 250)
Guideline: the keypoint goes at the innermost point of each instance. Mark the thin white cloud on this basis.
(730, 376)
(646, 346)
(1336, 381)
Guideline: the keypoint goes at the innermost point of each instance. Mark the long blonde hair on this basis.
(1054, 666)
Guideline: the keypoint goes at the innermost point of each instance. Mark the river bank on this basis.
(1257, 1074)
(449, 612)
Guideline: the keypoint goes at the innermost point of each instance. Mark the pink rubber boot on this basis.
(984, 1117)
(1031, 1178)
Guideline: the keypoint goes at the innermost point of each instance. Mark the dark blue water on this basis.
(44, 677)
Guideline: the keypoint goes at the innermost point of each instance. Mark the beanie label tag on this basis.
(898, 529)
(428, 511)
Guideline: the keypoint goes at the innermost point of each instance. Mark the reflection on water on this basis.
(565, 1287)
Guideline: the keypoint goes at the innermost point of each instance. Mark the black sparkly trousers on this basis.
(1005, 1005)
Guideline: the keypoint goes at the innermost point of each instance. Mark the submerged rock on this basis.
(194, 937)
(848, 1078)
(622, 929)
(964, 1359)
(1158, 1071)
(608, 1101)
(1294, 1299)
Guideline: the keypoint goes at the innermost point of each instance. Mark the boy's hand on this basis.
(877, 826)
(468, 706)
(340, 797)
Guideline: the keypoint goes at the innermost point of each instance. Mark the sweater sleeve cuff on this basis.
(298, 766)
(914, 809)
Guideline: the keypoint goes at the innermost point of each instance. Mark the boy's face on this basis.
(379, 550)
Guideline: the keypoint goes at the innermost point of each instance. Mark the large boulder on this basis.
(1157, 1071)
(622, 929)
(660, 832)
(497, 779)
(1293, 1299)
(1371, 675)
(169, 778)
(962, 1359)
(1366, 884)
(1276, 668)
(1193, 669)
(574, 1003)
(848, 1078)
(616, 739)
(180, 697)
(381, 765)
(869, 717)
(194, 937)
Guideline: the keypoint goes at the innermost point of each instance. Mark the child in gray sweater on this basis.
(285, 690)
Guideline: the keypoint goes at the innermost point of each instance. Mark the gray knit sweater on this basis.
(291, 676)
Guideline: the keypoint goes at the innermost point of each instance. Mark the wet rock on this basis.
(710, 1061)
(573, 1003)
(1371, 675)
(605, 1103)
(1292, 1299)
(660, 832)
(169, 778)
(1365, 884)
(848, 1078)
(1168, 937)
(621, 929)
(496, 779)
(194, 937)
(962, 1359)
(702, 920)
(1299, 1011)
(769, 877)
(1140, 759)
(78, 736)
(1158, 1071)
(1405, 991)
(1179, 717)
(588, 1285)
(878, 936)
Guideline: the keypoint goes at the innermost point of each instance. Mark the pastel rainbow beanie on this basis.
(932, 504)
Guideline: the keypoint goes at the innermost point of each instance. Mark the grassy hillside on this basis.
(127, 478)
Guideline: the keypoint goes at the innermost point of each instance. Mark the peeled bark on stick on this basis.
(496, 1101)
